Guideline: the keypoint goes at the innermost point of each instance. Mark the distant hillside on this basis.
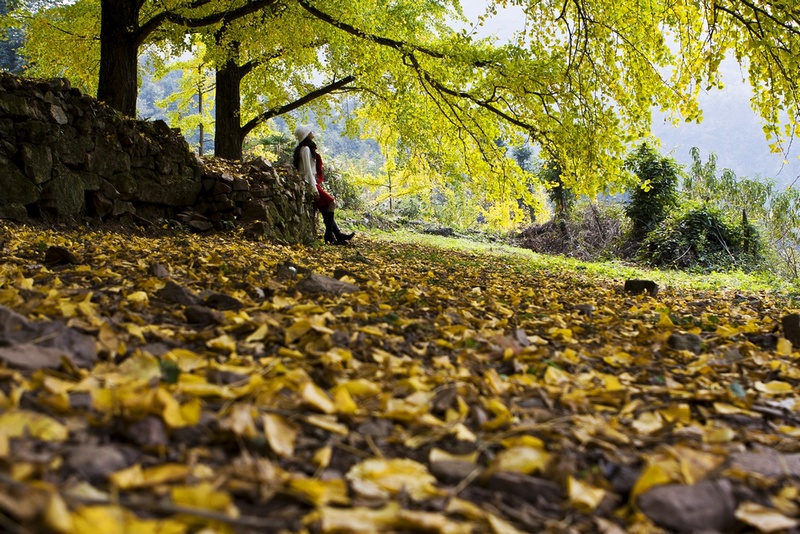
(732, 130)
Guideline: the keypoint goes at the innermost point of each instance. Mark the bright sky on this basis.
(501, 26)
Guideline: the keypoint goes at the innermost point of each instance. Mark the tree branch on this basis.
(313, 95)
(485, 104)
(189, 22)
(401, 46)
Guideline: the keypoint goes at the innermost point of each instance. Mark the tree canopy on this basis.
(580, 81)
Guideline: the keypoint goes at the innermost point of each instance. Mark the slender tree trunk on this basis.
(200, 109)
(117, 84)
(228, 136)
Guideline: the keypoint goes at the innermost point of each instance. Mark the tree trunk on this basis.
(117, 84)
(228, 136)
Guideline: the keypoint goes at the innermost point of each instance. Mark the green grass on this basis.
(613, 270)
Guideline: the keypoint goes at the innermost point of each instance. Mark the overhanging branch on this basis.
(401, 46)
(190, 22)
(313, 95)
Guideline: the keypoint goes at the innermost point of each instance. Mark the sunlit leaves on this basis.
(380, 478)
(452, 393)
(19, 423)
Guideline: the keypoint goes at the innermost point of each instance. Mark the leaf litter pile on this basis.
(213, 384)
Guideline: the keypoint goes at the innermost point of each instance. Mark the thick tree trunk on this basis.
(228, 136)
(117, 85)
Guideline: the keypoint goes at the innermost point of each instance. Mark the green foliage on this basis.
(783, 231)
(775, 213)
(580, 81)
(341, 186)
(410, 208)
(562, 197)
(656, 193)
(11, 39)
(273, 146)
(700, 237)
(61, 40)
(725, 190)
(190, 105)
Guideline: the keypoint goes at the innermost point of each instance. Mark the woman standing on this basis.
(309, 164)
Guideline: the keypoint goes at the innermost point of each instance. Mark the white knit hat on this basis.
(301, 132)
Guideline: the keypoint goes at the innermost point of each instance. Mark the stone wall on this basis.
(64, 156)
(265, 199)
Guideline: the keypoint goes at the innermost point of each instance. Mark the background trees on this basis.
(578, 84)
(10, 42)
(580, 81)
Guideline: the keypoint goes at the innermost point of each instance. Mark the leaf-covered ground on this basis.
(219, 385)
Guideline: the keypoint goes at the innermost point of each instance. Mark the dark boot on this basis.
(340, 236)
(327, 219)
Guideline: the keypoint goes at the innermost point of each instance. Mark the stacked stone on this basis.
(64, 155)
(269, 201)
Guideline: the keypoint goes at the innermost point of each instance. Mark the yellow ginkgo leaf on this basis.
(664, 321)
(524, 440)
(327, 422)
(130, 477)
(501, 526)
(719, 434)
(525, 460)
(360, 519)
(724, 408)
(19, 423)
(322, 457)
(187, 360)
(361, 387)
(763, 518)
(223, 343)
(321, 492)
(556, 377)
(259, 334)
(343, 402)
(138, 298)
(695, 464)
(280, 434)
(205, 497)
(677, 413)
(300, 328)
(440, 455)
(94, 519)
(584, 496)
(141, 365)
(314, 397)
(660, 470)
(502, 415)
(648, 423)
(57, 515)
(161, 474)
(382, 478)
(240, 421)
(727, 331)
(784, 347)
(774, 388)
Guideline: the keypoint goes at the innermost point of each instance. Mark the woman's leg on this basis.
(327, 219)
(337, 233)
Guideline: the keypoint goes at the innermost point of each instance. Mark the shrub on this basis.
(345, 192)
(656, 194)
(699, 237)
(562, 197)
(593, 231)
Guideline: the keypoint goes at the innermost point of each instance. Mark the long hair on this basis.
(296, 155)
